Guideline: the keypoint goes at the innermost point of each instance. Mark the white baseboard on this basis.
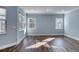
(71, 37)
(43, 34)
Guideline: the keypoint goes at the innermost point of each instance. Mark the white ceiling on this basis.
(49, 9)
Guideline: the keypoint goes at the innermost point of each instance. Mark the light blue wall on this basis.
(20, 34)
(72, 24)
(45, 24)
(11, 34)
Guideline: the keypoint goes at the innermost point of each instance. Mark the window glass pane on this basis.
(2, 27)
(2, 20)
(58, 23)
(2, 13)
(21, 22)
(2, 17)
(31, 23)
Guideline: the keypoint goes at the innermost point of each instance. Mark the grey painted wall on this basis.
(45, 24)
(11, 34)
(72, 24)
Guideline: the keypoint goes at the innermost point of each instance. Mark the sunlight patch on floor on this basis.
(38, 44)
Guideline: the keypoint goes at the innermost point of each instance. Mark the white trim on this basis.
(72, 10)
(71, 37)
(8, 45)
(43, 34)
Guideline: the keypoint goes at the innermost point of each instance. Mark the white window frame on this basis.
(34, 22)
(59, 23)
(21, 22)
(2, 20)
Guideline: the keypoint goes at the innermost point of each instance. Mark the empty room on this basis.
(39, 28)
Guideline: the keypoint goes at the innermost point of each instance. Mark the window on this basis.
(22, 23)
(2, 20)
(31, 23)
(59, 23)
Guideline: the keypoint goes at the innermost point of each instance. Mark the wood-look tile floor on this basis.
(59, 44)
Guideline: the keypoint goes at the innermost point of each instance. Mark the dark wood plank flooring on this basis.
(59, 44)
